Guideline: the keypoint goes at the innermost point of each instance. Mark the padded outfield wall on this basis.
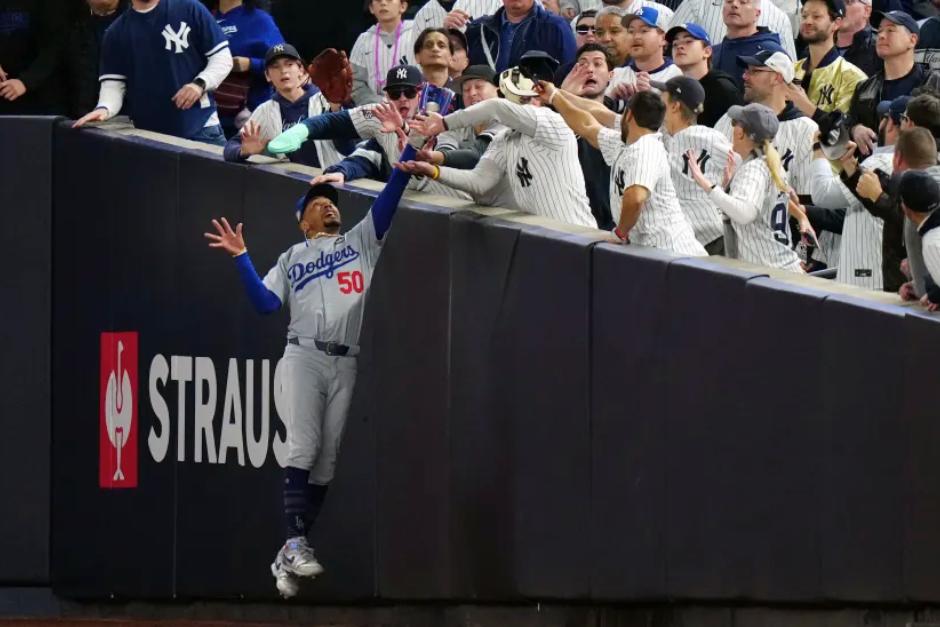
(538, 415)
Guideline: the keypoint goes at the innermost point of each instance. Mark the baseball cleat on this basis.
(296, 557)
(286, 583)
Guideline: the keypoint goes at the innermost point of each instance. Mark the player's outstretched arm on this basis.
(580, 121)
(232, 241)
(385, 206)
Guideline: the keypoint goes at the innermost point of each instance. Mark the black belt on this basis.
(333, 349)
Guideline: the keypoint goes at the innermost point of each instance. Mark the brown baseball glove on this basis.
(332, 73)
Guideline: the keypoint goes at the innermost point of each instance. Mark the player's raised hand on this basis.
(253, 142)
(429, 124)
(421, 168)
(389, 116)
(231, 241)
(337, 178)
(457, 19)
(188, 95)
(98, 115)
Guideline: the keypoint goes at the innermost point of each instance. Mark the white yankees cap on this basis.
(515, 86)
(776, 60)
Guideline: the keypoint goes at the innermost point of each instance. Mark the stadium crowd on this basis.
(797, 135)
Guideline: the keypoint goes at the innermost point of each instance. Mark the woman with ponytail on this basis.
(756, 203)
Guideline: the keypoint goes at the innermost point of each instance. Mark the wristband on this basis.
(200, 83)
(552, 97)
(436, 174)
(240, 253)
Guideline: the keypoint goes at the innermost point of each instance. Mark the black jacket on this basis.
(80, 59)
(721, 92)
(862, 52)
(864, 107)
(30, 42)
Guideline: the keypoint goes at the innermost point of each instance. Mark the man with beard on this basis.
(745, 36)
(856, 39)
(710, 15)
(826, 80)
(691, 51)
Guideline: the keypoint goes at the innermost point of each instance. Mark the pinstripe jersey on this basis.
(765, 239)
(543, 170)
(636, 5)
(661, 223)
(369, 127)
(432, 14)
(363, 53)
(711, 148)
(860, 251)
(627, 74)
(707, 14)
(930, 249)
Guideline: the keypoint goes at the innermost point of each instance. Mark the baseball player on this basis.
(756, 203)
(385, 45)
(294, 102)
(167, 57)
(538, 153)
(684, 98)
(643, 200)
(708, 14)
(323, 280)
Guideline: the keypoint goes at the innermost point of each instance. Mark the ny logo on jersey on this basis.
(702, 159)
(180, 37)
(620, 182)
(522, 171)
(825, 94)
(787, 159)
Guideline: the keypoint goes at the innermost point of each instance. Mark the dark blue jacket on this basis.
(725, 55)
(540, 31)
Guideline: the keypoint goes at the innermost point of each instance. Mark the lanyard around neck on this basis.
(379, 75)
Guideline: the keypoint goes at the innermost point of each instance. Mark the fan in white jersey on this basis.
(756, 200)
(708, 14)
(643, 201)
(684, 98)
(453, 14)
(537, 154)
(378, 49)
(766, 76)
(646, 30)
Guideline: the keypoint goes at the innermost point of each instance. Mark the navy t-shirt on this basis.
(157, 52)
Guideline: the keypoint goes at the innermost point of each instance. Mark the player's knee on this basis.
(302, 459)
(323, 470)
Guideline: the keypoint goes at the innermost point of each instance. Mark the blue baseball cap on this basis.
(898, 17)
(694, 30)
(650, 16)
(895, 108)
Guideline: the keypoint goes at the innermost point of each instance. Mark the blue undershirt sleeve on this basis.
(384, 207)
(264, 300)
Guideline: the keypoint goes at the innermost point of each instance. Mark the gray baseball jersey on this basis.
(324, 281)
(661, 223)
(711, 150)
(707, 14)
(369, 127)
(390, 51)
(765, 239)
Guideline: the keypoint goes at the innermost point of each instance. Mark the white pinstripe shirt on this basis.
(432, 14)
(707, 14)
(711, 149)
(363, 53)
(661, 223)
(931, 251)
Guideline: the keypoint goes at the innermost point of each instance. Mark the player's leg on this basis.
(304, 386)
(338, 399)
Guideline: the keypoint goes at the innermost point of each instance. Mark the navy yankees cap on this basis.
(694, 30)
(686, 90)
(919, 192)
(403, 76)
(281, 50)
(538, 65)
(320, 190)
(898, 17)
(895, 108)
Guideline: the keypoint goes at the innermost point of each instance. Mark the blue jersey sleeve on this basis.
(207, 35)
(384, 207)
(264, 300)
(332, 125)
(113, 56)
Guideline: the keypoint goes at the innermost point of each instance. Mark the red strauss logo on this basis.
(117, 452)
